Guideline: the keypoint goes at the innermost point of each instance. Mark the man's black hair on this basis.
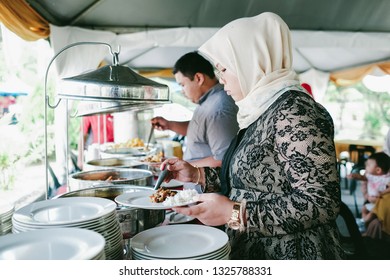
(192, 63)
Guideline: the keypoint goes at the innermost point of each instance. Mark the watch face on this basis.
(234, 222)
(234, 225)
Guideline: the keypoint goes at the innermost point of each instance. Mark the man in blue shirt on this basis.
(214, 123)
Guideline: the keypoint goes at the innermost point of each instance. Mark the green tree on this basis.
(374, 105)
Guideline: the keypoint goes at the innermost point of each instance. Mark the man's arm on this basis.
(160, 123)
(209, 162)
(179, 127)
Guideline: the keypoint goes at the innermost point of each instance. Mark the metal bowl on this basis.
(134, 152)
(95, 178)
(106, 191)
(109, 163)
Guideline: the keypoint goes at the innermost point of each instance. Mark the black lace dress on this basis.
(284, 165)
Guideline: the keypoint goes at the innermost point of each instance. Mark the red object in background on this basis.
(5, 102)
(91, 125)
(308, 88)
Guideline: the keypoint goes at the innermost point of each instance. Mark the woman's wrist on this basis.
(198, 177)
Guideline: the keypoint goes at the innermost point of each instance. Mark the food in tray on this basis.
(110, 176)
(157, 158)
(131, 143)
(115, 178)
(173, 198)
(161, 194)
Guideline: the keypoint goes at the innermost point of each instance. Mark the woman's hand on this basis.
(180, 170)
(212, 209)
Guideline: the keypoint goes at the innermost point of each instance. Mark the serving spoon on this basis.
(161, 178)
(149, 138)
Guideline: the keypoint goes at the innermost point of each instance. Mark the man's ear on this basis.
(199, 78)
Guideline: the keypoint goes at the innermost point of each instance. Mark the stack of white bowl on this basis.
(53, 244)
(93, 213)
(187, 241)
(6, 211)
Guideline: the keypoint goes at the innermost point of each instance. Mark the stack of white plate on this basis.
(93, 213)
(195, 242)
(53, 244)
(6, 211)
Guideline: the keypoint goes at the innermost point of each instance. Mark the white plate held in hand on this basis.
(142, 200)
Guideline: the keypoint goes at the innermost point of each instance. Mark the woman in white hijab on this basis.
(277, 191)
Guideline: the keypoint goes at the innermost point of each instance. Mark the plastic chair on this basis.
(76, 168)
(54, 185)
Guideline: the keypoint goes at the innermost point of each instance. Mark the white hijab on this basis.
(258, 51)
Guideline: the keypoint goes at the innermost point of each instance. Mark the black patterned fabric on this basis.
(285, 167)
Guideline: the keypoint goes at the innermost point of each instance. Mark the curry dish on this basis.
(161, 194)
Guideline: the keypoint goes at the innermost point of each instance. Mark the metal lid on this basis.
(114, 89)
(115, 75)
(113, 83)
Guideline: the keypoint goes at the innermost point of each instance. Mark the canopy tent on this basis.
(327, 36)
(14, 94)
(159, 49)
(340, 40)
(13, 86)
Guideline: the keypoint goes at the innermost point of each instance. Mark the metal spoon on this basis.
(161, 178)
(149, 138)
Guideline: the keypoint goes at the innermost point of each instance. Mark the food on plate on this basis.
(181, 198)
(161, 194)
(173, 198)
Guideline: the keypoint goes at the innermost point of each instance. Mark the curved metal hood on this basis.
(113, 83)
(117, 88)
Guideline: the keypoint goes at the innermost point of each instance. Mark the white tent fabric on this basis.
(326, 51)
(332, 51)
(78, 59)
(318, 81)
(316, 53)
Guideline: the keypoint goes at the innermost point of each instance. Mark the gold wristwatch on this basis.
(234, 222)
